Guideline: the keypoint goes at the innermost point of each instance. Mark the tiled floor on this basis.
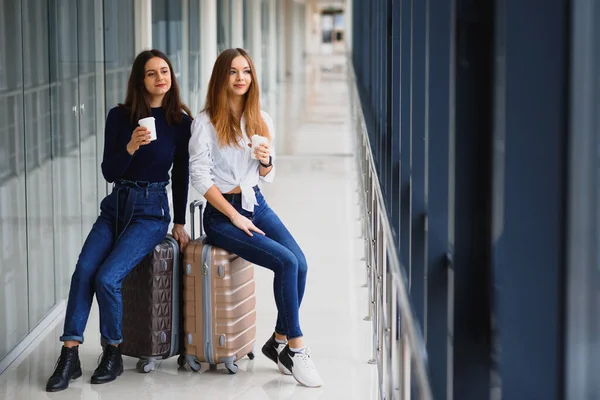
(315, 194)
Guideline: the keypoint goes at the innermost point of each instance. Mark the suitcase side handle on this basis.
(196, 204)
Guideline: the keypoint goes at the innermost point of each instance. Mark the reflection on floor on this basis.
(315, 194)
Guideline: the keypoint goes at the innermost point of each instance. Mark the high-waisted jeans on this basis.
(277, 251)
(133, 219)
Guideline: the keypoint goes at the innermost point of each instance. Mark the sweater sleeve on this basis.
(115, 159)
(180, 173)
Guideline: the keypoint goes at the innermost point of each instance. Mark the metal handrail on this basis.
(398, 344)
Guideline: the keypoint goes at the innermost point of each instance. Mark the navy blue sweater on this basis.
(151, 162)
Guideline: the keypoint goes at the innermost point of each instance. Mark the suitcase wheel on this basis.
(193, 362)
(195, 366)
(145, 366)
(232, 368)
(251, 355)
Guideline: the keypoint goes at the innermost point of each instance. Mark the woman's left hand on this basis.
(263, 152)
(180, 235)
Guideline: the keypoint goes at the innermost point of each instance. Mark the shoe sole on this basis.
(75, 376)
(96, 382)
(304, 384)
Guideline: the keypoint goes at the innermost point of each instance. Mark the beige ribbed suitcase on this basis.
(219, 305)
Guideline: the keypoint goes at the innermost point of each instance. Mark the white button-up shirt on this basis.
(226, 167)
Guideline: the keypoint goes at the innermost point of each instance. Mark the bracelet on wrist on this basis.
(270, 164)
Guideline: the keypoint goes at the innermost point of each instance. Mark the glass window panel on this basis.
(583, 262)
(13, 235)
(194, 79)
(167, 31)
(223, 25)
(119, 48)
(159, 24)
(593, 283)
(245, 17)
(90, 99)
(264, 26)
(66, 164)
(327, 23)
(38, 141)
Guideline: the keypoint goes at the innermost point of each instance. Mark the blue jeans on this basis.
(277, 251)
(133, 219)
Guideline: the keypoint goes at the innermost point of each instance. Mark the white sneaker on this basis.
(301, 365)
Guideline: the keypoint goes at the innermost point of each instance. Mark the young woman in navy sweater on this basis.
(135, 217)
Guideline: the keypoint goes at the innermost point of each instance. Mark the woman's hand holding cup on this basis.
(139, 137)
(260, 148)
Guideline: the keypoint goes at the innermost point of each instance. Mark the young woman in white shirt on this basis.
(237, 217)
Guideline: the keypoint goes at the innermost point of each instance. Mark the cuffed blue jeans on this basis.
(133, 219)
(277, 251)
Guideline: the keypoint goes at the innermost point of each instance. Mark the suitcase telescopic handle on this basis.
(196, 204)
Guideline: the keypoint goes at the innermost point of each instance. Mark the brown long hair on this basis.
(226, 125)
(137, 101)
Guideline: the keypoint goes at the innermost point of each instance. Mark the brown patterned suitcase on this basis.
(219, 304)
(152, 307)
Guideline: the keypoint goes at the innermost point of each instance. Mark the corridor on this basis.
(315, 194)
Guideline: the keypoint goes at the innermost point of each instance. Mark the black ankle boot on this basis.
(67, 367)
(110, 366)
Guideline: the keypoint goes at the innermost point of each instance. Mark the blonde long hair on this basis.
(226, 125)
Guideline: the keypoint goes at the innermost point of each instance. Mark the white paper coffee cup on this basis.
(257, 141)
(149, 123)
